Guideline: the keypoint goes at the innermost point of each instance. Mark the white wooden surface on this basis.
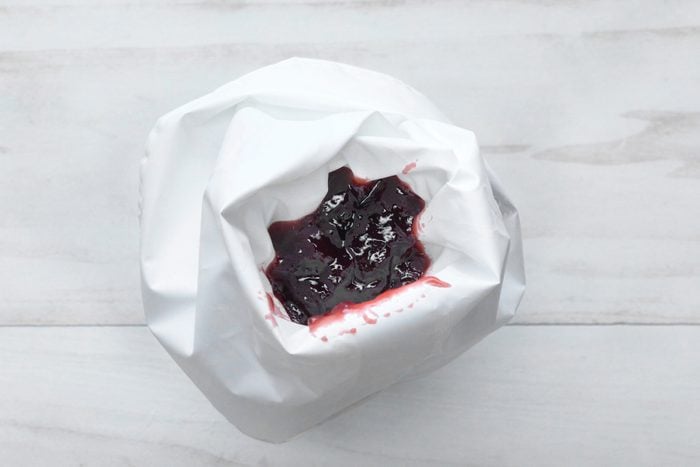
(588, 110)
(527, 395)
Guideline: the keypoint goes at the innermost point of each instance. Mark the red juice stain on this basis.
(274, 311)
(435, 282)
(272, 319)
(272, 307)
(349, 313)
(370, 317)
(408, 168)
(417, 224)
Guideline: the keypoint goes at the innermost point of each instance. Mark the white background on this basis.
(588, 110)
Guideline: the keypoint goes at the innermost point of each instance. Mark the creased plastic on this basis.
(219, 170)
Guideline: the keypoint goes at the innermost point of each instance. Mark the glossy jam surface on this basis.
(357, 244)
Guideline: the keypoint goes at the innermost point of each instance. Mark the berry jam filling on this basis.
(358, 243)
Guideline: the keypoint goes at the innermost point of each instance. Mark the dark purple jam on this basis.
(357, 244)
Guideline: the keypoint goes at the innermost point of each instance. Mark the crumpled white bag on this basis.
(222, 168)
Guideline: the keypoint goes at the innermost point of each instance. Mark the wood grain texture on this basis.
(527, 395)
(589, 112)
